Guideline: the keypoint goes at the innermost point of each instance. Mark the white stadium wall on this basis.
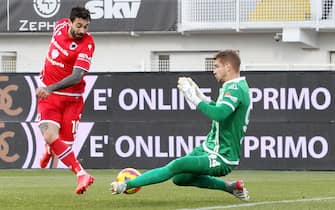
(115, 53)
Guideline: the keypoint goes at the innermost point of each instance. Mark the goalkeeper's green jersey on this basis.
(230, 115)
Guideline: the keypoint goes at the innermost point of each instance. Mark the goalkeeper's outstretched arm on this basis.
(215, 112)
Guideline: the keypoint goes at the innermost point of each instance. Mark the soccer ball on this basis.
(128, 174)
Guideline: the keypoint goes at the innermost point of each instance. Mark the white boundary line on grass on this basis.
(261, 203)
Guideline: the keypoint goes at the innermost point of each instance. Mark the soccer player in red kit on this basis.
(60, 101)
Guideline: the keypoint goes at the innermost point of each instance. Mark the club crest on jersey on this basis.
(89, 46)
(73, 46)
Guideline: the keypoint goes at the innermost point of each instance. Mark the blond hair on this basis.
(230, 56)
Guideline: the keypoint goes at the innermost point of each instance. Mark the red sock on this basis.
(66, 155)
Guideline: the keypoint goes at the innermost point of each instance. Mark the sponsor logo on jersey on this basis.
(55, 63)
(57, 45)
(46, 8)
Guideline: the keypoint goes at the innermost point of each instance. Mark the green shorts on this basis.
(214, 166)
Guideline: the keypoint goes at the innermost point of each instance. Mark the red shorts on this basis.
(65, 111)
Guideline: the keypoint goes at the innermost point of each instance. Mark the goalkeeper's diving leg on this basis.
(186, 171)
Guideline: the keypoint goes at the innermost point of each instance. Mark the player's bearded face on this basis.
(78, 28)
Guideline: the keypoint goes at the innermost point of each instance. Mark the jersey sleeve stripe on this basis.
(67, 94)
(84, 59)
(59, 27)
(79, 67)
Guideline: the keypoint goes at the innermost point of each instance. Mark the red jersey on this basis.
(64, 54)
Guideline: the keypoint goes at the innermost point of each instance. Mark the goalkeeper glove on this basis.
(189, 92)
(198, 92)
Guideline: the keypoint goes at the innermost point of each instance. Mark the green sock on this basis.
(210, 182)
(203, 181)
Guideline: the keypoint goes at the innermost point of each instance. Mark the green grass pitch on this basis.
(54, 189)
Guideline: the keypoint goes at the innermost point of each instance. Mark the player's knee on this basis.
(49, 137)
(49, 132)
(176, 166)
(179, 180)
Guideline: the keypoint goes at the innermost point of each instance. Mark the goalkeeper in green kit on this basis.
(220, 153)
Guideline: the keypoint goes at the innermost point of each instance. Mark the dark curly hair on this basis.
(80, 12)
